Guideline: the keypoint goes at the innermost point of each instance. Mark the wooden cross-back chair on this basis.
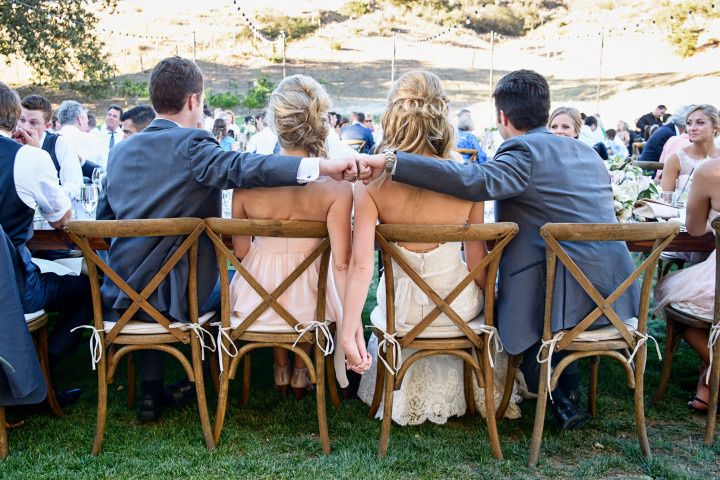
(468, 151)
(678, 319)
(257, 338)
(614, 341)
(37, 326)
(471, 344)
(357, 145)
(117, 339)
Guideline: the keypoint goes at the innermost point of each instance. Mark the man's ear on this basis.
(48, 125)
(503, 119)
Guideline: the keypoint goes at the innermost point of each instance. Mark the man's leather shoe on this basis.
(180, 393)
(65, 398)
(568, 415)
(149, 408)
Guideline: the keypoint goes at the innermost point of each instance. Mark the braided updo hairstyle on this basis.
(416, 117)
(298, 113)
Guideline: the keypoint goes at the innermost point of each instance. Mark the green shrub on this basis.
(257, 97)
(224, 100)
(502, 20)
(355, 8)
(294, 27)
(336, 45)
(131, 88)
(684, 34)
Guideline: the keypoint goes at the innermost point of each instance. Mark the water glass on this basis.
(89, 198)
(97, 177)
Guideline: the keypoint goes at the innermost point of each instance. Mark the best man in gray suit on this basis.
(173, 169)
(535, 178)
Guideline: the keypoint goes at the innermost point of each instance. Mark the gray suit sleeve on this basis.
(506, 175)
(216, 168)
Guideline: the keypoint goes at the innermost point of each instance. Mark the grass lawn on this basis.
(276, 438)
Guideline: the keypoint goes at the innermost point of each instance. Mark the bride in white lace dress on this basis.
(415, 121)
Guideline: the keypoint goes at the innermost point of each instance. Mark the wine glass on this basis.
(97, 177)
(89, 198)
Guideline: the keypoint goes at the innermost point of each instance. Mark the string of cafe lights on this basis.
(251, 25)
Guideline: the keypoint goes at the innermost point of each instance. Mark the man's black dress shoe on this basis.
(65, 398)
(567, 414)
(150, 408)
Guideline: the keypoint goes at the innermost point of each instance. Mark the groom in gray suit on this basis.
(175, 169)
(535, 178)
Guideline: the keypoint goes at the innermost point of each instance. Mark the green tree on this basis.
(258, 96)
(684, 23)
(56, 39)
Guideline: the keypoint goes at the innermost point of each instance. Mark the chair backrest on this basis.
(357, 145)
(468, 151)
(82, 231)
(553, 233)
(500, 233)
(217, 227)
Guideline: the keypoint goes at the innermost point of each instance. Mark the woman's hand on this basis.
(356, 356)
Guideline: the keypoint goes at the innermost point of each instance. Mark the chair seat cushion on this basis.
(136, 327)
(607, 333)
(448, 331)
(708, 317)
(29, 317)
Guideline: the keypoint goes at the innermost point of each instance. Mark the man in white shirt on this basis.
(73, 120)
(28, 180)
(264, 141)
(110, 134)
(35, 115)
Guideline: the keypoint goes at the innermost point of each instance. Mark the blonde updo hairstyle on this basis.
(710, 111)
(298, 113)
(416, 117)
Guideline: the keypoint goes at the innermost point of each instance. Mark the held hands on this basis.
(356, 356)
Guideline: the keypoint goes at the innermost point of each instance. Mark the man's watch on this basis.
(390, 159)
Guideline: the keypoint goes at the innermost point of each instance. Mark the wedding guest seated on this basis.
(655, 117)
(415, 121)
(693, 288)
(264, 140)
(624, 134)
(297, 111)
(467, 139)
(591, 134)
(702, 125)
(681, 138)
(614, 145)
(357, 131)
(73, 119)
(28, 181)
(565, 121)
(136, 120)
(36, 112)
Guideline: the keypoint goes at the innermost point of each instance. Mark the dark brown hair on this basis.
(9, 107)
(172, 81)
(38, 102)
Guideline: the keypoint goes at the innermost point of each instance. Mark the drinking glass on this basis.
(97, 177)
(89, 198)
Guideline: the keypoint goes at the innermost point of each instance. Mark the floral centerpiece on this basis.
(629, 183)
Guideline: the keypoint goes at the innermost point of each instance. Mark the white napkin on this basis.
(653, 209)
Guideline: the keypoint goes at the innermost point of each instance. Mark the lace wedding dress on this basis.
(432, 389)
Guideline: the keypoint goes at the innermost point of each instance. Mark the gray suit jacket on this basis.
(535, 179)
(167, 171)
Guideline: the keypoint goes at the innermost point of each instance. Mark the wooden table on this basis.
(59, 240)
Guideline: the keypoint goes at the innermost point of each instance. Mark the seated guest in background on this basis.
(376, 132)
(624, 134)
(653, 118)
(357, 131)
(232, 127)
(35, 115)
(221, 135)
(533, 177)
(73, 119)
(334, 119)
(28, 181)
(264, 140)
(693, 288)
(432, 389)
(467, 139)
(297, 111)
(136, 119)
(655, 144)
(174, 169)
(110, 133)
(680, 140)
(565, 121)
(613, 145)
(703, 125)
(591, 134)
(341, 123)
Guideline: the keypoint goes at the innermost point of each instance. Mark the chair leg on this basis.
(221, 410)
(592, 385)
(539, 417)
(42, 351)
(641, 358)
(320, 399)
(102, 404)
(3, 435)
(215, 371)
(378, 393)
(247, 367)
(713, 400)
(332, 383)
(200, 391)
(512, 366)
(670, 335)
(469, 389)
(489, 381)
(388, 395)
(131, 381)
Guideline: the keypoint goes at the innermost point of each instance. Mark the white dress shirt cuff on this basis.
(309, 170)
